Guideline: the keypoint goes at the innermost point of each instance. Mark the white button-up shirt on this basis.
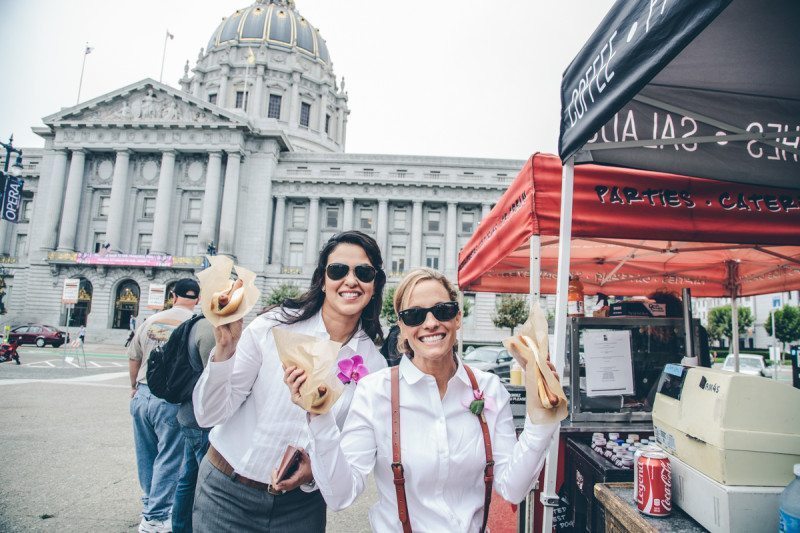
(441, 445)
(250, 406)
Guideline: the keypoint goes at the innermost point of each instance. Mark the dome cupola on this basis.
(275, 23)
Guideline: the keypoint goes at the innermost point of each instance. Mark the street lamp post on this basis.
(16, 169)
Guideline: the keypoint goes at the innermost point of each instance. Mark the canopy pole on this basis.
(535, 247)
(733, 286)
(548, 496)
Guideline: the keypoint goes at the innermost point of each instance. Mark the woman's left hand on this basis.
(294, 377)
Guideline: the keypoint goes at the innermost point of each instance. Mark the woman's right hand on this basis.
(294, 377)
(227, 337)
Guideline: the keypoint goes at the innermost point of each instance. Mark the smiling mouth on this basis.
(350, 295)
(431, 339)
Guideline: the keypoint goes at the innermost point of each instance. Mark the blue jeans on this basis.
(195, 446)
(159, 451)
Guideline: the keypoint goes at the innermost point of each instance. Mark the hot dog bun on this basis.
(226, 302)
(548, 399)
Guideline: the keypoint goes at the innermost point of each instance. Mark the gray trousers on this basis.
(221, 504)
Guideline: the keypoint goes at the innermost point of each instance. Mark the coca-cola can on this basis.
(654, 484)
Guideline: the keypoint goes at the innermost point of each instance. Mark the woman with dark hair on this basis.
(241, 394)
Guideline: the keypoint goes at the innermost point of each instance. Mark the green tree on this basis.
(719, 322)
(510, 311)
(787, 324)
(280, 293)
(387, 309)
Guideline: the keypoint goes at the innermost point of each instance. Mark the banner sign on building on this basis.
(12, 199)
(125, 260)
(71, 289)
(155, 297)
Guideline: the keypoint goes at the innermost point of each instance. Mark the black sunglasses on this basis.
(416, 315)
(364, 273)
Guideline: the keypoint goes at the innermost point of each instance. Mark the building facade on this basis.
(248, 155)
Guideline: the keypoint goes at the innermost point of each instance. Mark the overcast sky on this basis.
(444, 77)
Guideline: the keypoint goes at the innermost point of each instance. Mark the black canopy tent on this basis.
(701, 88)
(661, 82)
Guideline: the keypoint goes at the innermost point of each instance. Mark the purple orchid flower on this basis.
(352, 369)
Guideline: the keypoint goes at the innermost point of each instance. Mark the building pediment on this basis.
(147, 102)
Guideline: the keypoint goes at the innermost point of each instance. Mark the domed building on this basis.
(248, 156)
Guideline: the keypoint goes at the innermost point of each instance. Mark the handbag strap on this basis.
(488, 471)
(397, 465)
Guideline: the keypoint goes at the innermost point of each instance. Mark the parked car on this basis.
(748, 364)
(492, 359)
(39, 334)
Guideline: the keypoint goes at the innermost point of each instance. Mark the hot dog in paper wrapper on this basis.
(318, 358)
(546, 401)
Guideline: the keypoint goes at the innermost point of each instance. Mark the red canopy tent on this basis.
(636, 231)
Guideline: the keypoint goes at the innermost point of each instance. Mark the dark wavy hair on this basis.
(309, 303)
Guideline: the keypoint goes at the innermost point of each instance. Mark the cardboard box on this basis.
(637, 308)
(721, 508)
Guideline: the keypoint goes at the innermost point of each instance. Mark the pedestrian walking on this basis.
(157, 437)
(82, 334)
(195, 438)
(241, 394)
(435, 462)
(132, 323)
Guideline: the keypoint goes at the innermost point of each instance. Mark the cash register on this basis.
(732, 440)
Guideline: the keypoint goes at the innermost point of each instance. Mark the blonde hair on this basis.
(402, 295)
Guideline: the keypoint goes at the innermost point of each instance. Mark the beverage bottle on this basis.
(516, 375)
(575, 297)
(789, 514)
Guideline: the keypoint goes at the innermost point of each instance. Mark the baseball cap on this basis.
(187, 288)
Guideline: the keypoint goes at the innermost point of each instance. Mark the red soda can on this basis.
(654, 485)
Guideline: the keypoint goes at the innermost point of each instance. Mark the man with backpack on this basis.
(199, 344)
(157, 437)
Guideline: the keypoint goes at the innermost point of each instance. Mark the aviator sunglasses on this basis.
(416, 315)
(364, 273)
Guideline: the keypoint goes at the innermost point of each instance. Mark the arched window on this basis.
(126, 304)
(170, 298)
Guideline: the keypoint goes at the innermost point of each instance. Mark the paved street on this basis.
(68, 460)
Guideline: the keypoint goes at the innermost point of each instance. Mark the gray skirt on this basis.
(221, 504)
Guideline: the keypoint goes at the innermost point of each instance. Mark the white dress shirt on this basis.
(441, 445)
(250, 406)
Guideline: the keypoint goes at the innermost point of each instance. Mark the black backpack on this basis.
(174, 367)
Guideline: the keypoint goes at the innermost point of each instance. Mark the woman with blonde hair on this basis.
(438, 435)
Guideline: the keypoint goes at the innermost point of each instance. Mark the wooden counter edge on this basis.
(621, 510)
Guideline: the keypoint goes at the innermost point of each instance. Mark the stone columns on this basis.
(164, 198)
(382, 229)
(72, 202)
(322, 110)
(416, 234)
(450, 242)
(208, 226)
(257, 103)
(54, 200)
(343, 130)
(294, 103)
(222, 95)
(312, 243)
(485, 209)
(277, 231)
(119, 194)
(347, 216)
(230, 201)
(340, 127)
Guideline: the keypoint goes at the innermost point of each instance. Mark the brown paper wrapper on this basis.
(215, 278)
(530, 347)
(318, 358)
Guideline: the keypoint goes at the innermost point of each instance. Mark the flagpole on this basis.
(167, 37)
(83, 67)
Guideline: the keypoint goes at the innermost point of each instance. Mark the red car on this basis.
(38, 334)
